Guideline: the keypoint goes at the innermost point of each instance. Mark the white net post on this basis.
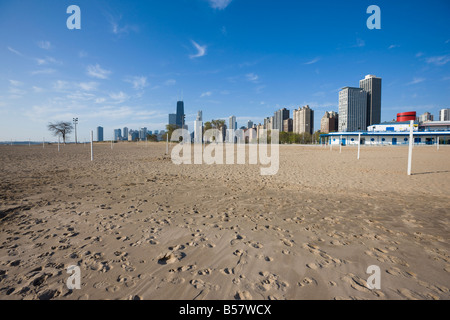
(411, 137)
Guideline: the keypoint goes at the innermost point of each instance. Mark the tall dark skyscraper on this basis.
(173, 119)
(372, 85)
(180, 114)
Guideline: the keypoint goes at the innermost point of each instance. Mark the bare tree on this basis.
(61, 128)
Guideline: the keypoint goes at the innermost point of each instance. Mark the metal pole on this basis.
(340, 144)
(92, 145)
(167, 143)
(43, 143)
(438, 143)
(58, 143)
(411, 137)
(359, 145)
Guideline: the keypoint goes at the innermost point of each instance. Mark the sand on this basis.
(140, 227)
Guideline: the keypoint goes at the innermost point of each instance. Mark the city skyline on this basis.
(128, 63)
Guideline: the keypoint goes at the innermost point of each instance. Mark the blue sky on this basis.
(131, 60)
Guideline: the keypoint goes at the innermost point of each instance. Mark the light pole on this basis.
(75, 122)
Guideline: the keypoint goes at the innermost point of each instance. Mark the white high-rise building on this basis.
(444, 115)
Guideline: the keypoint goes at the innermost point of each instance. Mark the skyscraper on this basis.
(173, 119)
(426, 117)
(249, 124)
(200, 115)
(99, 134)
(444, 115)
(372, 85)
(352, 109)
(279, 117)
(329, 122)
(143, 134)
(117, 134)
(180, 114)
(303, 120)
(232, 124)
(125, 133)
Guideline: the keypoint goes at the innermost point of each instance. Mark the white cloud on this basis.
(138, 83)
(439, 60)
(201, 50)
(97, 72)
(219, 4)
(37, 89)
(88, 86)
(206, 94)
(43, 71)
(15, 83)
(15, 51)
(82, 54)
(119, 97)
(118, 29)
(315, 60)
(46, 45)
(60, 85)
(416, 81)
(392, 46)
(359, 43)
(47, 60)
(419, 54)
(252, 77)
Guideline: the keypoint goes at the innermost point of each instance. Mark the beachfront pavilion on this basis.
(385, 138)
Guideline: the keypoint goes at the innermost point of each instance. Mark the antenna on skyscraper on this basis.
(181, 94)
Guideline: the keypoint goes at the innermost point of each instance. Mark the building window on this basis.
(353, 139)
(383, 139)
(406, 139)
(372, 139)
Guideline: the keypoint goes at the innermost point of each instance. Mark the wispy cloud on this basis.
(315, 60)
(206, 94)
(88, 86)
(252, 77)
(82, 54)
(47, 60)
(43, 71)
(46, 45)
(15, 83)
(97, 72)
(118, 29)
(419, 54)
(138, 83)
(201, 50)
(119, 97)
(219, 4)
(15, 51)
(393, 46)
(416, 81)
(439, 60)
(359, 43)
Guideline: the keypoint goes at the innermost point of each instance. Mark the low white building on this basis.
(385, 138)
(393, 127)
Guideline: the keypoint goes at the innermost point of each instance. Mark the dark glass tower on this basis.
(180, 114)
(372, 85)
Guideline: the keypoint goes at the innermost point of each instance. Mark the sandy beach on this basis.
(141, 227)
